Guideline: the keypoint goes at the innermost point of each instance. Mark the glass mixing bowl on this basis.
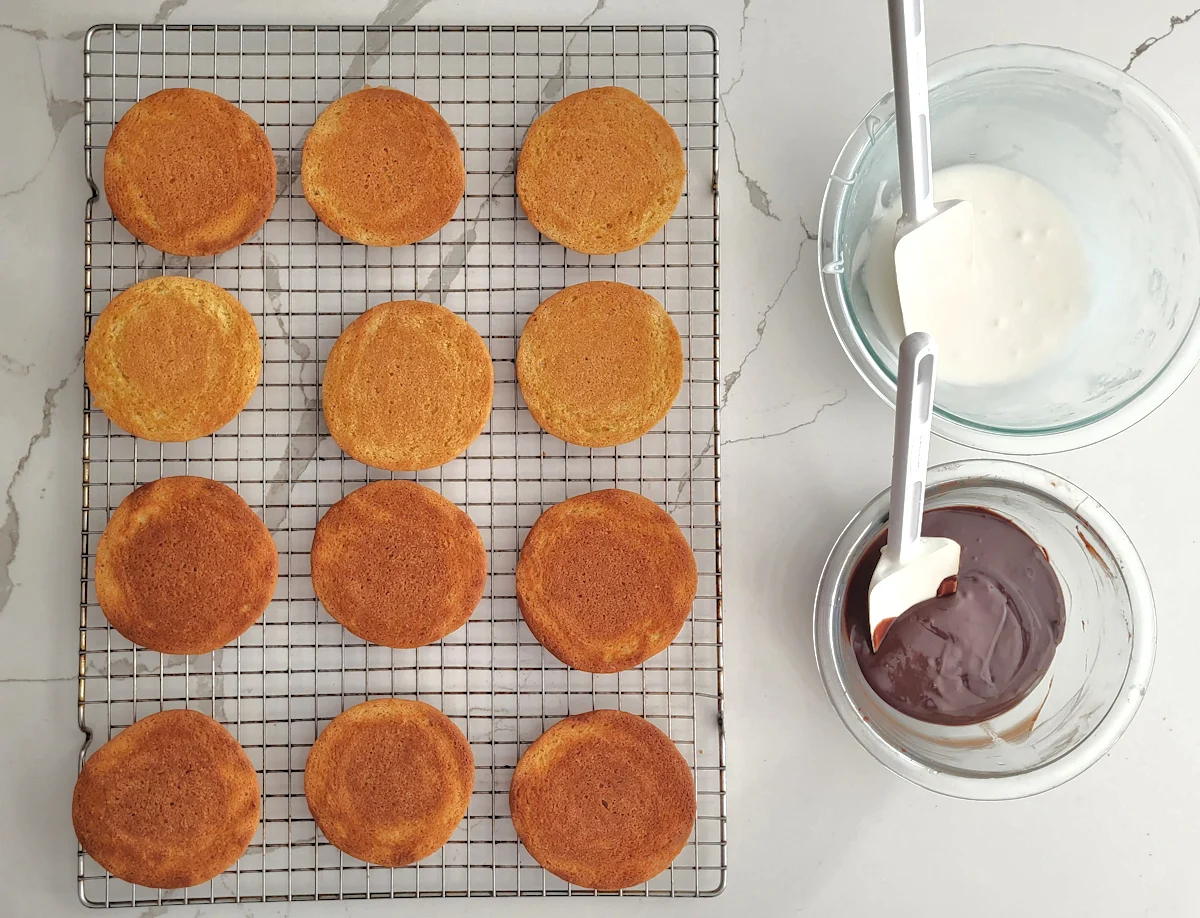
(1096, 680)
(1127, 170)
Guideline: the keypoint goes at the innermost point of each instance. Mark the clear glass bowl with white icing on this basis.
(1128, 172)
(1095, 683)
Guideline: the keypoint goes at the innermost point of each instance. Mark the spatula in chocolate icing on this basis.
(911, 568)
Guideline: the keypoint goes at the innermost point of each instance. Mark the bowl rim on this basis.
(1085, 753)
(1001, 440)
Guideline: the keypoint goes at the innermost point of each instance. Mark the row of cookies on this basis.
(605, 580)
(190, 173)
(603, 799)
(407, 385)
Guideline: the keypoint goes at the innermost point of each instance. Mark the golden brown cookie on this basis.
(189, 173)
(382, 167)
(184, 566)
(599, 363)
(388, 781)
(173, 358)
(408, 386)
(601, 171)
(603, 800)
(397, 564)
(605, 580)
(169, 802)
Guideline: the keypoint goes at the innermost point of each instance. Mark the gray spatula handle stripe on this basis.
(907, 21)
(910, 452)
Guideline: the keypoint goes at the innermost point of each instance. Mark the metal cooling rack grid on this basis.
(296, 669)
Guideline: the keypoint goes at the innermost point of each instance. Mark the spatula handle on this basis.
(911, 82)
(910, 451)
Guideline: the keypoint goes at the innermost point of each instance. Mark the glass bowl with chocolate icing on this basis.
(1022, 673)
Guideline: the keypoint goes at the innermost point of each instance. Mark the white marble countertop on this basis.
(816, 826)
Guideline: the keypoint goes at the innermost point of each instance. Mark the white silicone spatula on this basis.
(912, 567)
(935, 242)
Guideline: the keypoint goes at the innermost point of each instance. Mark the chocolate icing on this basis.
(970, 655)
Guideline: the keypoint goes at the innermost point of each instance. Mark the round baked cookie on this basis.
(397, 564)
(169, 802)
(600, 172)
(173, 358)
(389, 780)
(184, 566)
(599, 363)
(382, 167)
(603, 800)
(189, 173)
(605, 580)
(408, 386)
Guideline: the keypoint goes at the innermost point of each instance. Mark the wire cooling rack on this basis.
(296, 669)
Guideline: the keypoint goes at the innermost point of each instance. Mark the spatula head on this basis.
(935, 266)
(896, 587)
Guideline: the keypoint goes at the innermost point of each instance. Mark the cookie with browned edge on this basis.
(600, 171)
(397, 564)
(600, 363)
(173, 358)
(408, 386)
(389, 780)
(603, 800)
(169, 802)
(189, 173)
(184, 566)
(605, 580)
(382, 167)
